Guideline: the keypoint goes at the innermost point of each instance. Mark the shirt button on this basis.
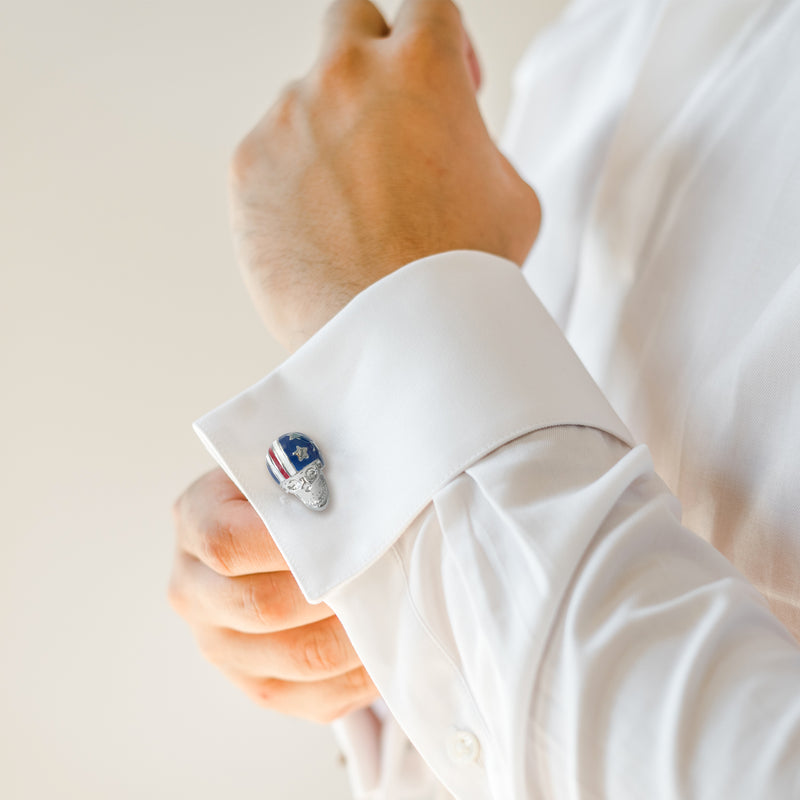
(463, 747)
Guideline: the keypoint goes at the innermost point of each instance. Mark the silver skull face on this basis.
(309, 486)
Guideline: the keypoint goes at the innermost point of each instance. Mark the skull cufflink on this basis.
(295, 464)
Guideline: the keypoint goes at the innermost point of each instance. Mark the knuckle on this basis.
(342, 67)
(430, 43)
(443, 13)
(219, 548)
(283, 602)
(319, 653)
(251, 154)
(268, 605)
(419, 57)
(256, 606)
(419, 43)
(357, 681)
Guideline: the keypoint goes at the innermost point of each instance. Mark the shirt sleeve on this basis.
(511, 571)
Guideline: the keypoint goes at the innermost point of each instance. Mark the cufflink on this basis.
(296, 465)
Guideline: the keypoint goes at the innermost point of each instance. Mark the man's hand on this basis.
(232, 586)
(377, 157)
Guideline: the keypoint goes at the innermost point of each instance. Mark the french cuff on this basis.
(418, 377)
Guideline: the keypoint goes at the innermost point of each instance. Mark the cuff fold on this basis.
(418, 377)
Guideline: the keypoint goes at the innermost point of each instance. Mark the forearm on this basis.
(516, 605)
(549, 603)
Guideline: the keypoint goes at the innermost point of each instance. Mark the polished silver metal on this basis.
(309, 486)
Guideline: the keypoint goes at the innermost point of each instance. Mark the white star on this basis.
(301, 453)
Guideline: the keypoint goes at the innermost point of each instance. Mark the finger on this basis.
(435, 27)
(311, 652)
(263, 603)
(441, 18)
(319, 701)
(348, 20)
(215, 523)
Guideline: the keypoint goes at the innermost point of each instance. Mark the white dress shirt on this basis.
(506, 559)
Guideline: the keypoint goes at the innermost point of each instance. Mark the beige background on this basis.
(122, 320)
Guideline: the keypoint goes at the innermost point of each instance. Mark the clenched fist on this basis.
(377, 157)
(232, 586)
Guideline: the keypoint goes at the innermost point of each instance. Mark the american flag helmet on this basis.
(295, 464)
